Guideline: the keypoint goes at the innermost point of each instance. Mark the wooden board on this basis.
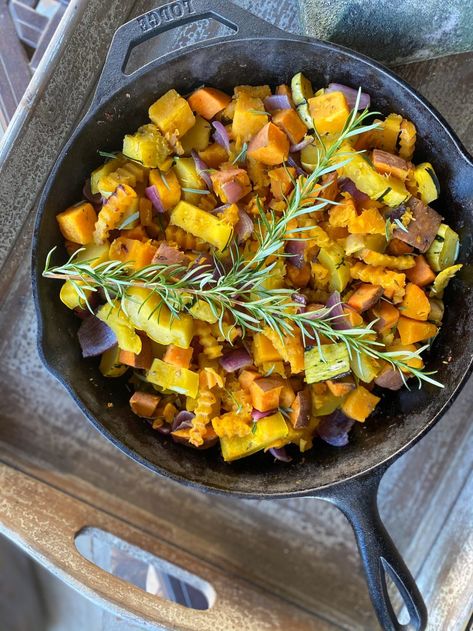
(298, 554)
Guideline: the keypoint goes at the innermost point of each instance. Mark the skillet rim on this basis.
(379, 466)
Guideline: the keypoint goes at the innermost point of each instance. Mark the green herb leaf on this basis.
(129, 220)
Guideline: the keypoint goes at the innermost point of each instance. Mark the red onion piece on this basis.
(219, 209)
(350, 95)
(334, 428)
(292, 163)
(277, 102)
(202, 169)
(280, 454)
(234, 360)
(233, 190)
(256, 415)
(95, 337)
(299, 298)
(348, 186)
(244, 227)
(182, 420)
(96, 199)
(152, 194)
(308, 140)
(335, 306)
(296, 250)
(221, 135)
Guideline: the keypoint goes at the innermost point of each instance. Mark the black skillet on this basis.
(254, 53)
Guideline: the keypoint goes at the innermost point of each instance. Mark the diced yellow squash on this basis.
(95, 254)
(412, 331)
(325, 403)
(110, 365)
(148, 313)
(121, 325)
(77, 223)
(168, 187)
(202, 224)
(197, 137)
(105, 169)
(266, 432)
(333, 259)
(170, 377)
(147, 145)
(329, 112)
(366, 368)
(249, 117)
(428, 187)
(258, 91)
(172, 114)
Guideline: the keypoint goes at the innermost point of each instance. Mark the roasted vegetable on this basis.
(170, 377)
(329, 112)
(442, 280)
(77, 223)
(444, 249)
(415, 303)
(412, 331)
(326, 362)
(208, 102)
(265, 393)
(197, 138)
(359, 404)
(149, 314)
(270, 145)
(172, 114)
(267, 431)
(121, 325)
(333, 259)
(202, 224)
(422, 229)
(147, 145)
(110, 365)
(94, 254)
(302, 91)
(428, 186)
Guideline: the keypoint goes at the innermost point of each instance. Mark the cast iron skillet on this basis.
(257, 53)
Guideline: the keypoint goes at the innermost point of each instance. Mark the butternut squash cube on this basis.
(263, 350)
(249, 117)
(270, 145)
(415, 303)
(188, 177)
(172, 114)
(329, 112)
(197, 137)
(105, 169)
(138, 253)
(77, 223)
(359, 404)
(281, 182)
(95, 254)
(268, 430)
(202, 224)
(147, 145)
(214, 155)
(412, 331)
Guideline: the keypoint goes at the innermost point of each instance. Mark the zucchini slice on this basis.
(326, 362)
(427, 183)
(302, 91)
(444, 249)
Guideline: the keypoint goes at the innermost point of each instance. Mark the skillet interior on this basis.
(402, 417)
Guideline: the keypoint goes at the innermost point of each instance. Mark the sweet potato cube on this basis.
(208, 101)
(172, 114)
(365, 296)
(390, 164)
(281, 182)
(421, 274)
(412, 331)
(329, 112)
(300, 409)
(77, 223)
(167, 186)
(291, 124)
(144, 404)
(396, 247)
(270, 145)
(359, 404)
(265, 393)
(415, 303)
(180, 357)
(340, 388)
(386, 314)
(143, 359)
(246, 378)
(353, 317)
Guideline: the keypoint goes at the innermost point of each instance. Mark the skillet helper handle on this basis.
(357, 499)
(165, 18)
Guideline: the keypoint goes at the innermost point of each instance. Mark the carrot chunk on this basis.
(365, 296)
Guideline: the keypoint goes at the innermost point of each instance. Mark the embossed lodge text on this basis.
(167, 13)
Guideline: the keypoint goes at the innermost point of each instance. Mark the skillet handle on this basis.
(165, 18)
(357, 499)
